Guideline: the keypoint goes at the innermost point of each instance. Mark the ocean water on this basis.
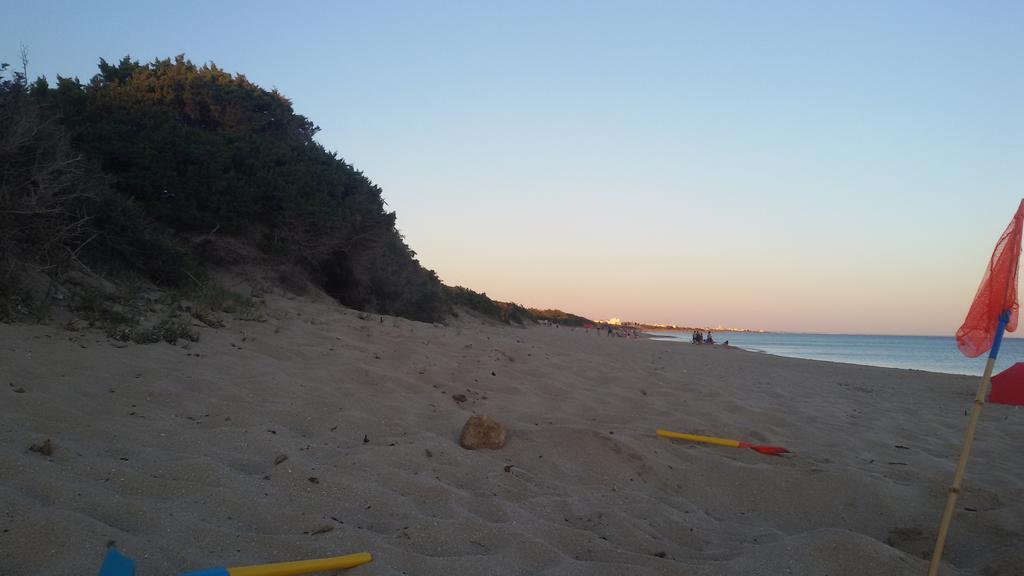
(931, 353)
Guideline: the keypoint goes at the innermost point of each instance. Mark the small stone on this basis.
(660, 554)
(45, 448)
(314, 480)
(280, 458)
(482, 432)
(366, 439)
(460, 398)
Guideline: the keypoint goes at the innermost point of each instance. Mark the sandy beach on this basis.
(324, 431)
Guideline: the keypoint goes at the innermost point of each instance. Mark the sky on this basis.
(798, 166)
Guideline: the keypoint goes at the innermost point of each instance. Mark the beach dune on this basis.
(325, 431)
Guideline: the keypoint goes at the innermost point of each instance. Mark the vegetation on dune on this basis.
(479, 302)
(509, 312)
(47, 197)
(559, 317)
(136, 171)
(180, 152)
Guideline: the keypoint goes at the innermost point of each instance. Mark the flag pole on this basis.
(965, 451)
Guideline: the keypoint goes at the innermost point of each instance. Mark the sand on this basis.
(170, 451)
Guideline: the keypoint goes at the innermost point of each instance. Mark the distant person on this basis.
(710, 339)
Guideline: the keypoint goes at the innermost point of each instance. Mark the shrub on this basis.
(195, 150)
(45, 189)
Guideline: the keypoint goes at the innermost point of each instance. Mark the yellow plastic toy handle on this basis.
(303, 566)
(696, 438)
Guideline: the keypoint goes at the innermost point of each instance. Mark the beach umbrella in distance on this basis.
(1008, 386)
(993, 311)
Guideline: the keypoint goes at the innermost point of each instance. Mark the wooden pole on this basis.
(965, 452)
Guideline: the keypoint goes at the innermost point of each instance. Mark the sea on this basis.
(930, 353)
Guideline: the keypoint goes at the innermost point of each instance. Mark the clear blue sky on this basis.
(841, 167)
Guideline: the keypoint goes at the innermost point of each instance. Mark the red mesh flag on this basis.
(997, 293)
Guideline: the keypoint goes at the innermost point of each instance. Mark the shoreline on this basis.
(741, 346)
